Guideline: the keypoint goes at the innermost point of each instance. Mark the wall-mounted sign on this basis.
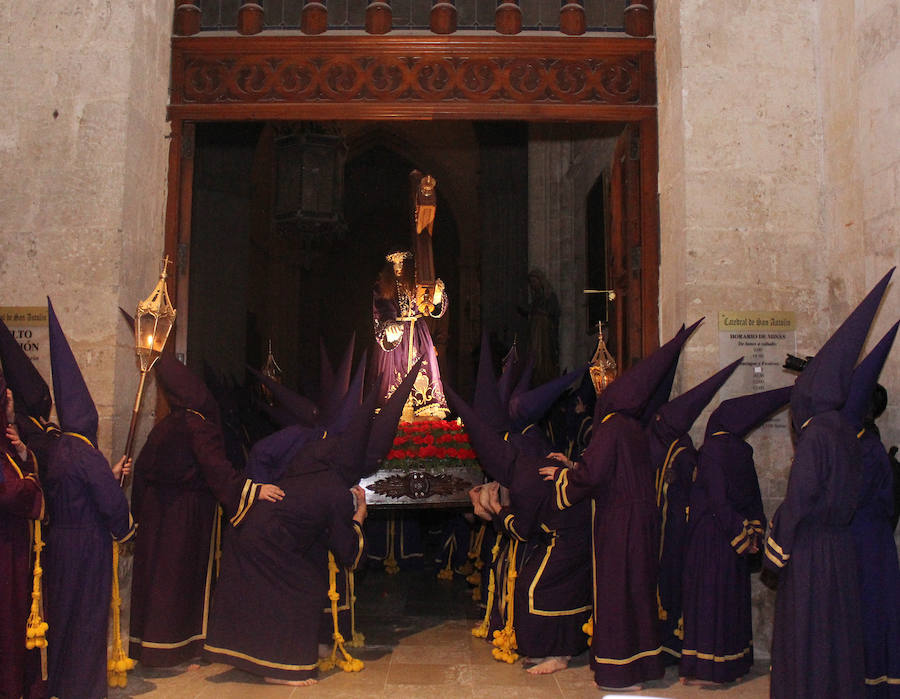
(28, 326)
(763, 339)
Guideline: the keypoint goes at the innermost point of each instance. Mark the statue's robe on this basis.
(726, 513)
(817, 639)
(180, 477)
(617, 477)
(273, 586)
(21, 501)
(879, 571)
(87, 510)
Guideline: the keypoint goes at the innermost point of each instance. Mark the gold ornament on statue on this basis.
(603, 368)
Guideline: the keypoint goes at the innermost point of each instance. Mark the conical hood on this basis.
(664, 389)
(353, 398)
(487, 394)
(384, 426)
(183, 388)
(825, 382)
(74, 406)
(524, 382)
(865, 378)
(326, 373)
(303, 410)
(333, 400)
(742, 414)
(631, 392)
(509, 374)
(30, 391)
(529, 407)
(496, 456)
(680, 413)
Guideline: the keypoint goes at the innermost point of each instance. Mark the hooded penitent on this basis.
(877, 564)
(817, 642)
(674, 462)
(74, 406)
(738, 416)
(31, 393)
(334, 385)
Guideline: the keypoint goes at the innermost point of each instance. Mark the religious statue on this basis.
(406, 293)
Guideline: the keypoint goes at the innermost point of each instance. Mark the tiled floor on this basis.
(418, 644)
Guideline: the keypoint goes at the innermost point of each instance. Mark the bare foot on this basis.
(292, 683)
(193, 666)
(630, 688)
(554, 663)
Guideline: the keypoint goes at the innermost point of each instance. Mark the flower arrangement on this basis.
(430, 444)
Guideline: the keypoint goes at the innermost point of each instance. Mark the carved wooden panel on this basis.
(400, 75)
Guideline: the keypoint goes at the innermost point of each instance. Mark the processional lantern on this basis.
(603, 368)
(152, 324)
(272, 371)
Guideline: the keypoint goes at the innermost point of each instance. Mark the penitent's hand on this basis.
(271, 493)
(477, 507)
(12, 434)
(548, 472)
(361, 508)
(121, 468)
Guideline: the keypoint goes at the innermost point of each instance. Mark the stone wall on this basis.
(82, 177)
(778, 181)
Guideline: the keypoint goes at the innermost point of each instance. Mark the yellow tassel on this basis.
(357, 639)
(679, 630)
(346, 662)
(505, 638)
(119, 663)
(446, 573)
(474, 578)
(481, 631)
(36, 627)
(390, 561)
(588, 628)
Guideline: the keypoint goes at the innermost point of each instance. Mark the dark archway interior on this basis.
(252, 283)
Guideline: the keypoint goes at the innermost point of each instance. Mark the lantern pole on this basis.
(152, 325)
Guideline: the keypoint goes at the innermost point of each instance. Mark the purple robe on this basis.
(180, 476)
(616, 475)
(726, 517)
(267, 609)
(675, 460)
(879, 571)
(85, 508)
(21, 501)
(392, 361)
(817, 640)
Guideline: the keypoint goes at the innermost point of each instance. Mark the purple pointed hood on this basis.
(384, 426)
(524, 382)
(529, 407)
(496, 456)
(825, 382)
(664, 389)
(333, 399)
(487, 402)
(30, 391)
(74, 405)
(353, 398)
(510, 371)
(354, 456)
(739, 416)
(183, 388)
(300, 409)
(677, 416)
(865, 378)
(631, 392)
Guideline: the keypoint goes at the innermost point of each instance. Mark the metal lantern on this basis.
(153, 322)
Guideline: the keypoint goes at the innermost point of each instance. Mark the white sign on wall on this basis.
(763, 339)
(28, 326)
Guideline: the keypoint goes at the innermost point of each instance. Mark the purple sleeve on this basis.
(236, 493)
(594, 469)
(107, 495)
(345, 538)
(804, 487)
